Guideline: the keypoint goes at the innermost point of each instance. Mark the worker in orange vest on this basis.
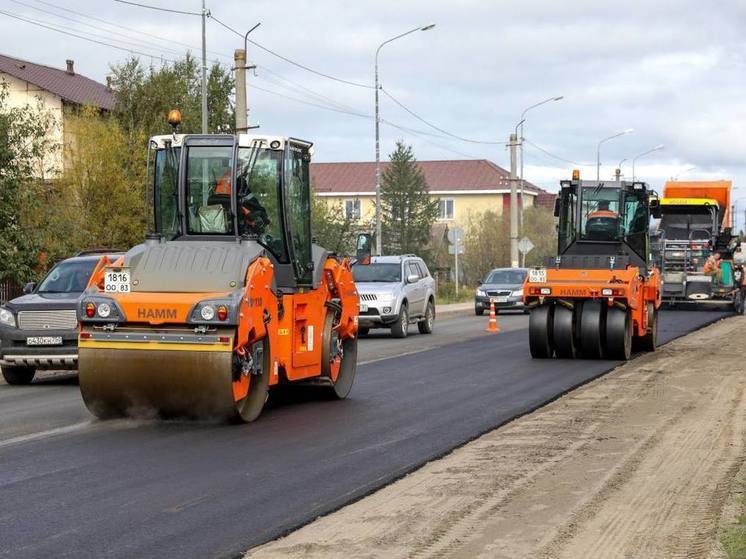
(712, 267)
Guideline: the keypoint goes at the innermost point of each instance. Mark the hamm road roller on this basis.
(228, 297)
(601, 292)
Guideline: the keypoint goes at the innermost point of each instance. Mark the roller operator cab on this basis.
(602, 291)
(227, 297)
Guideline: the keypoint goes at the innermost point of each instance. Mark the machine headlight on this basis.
(7, 318)
(207, 312)
(518, 293)
(481, 293)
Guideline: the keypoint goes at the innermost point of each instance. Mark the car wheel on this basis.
(18, 375)
(425, 326)
(400, 328)
(478, 310)
(362, 330)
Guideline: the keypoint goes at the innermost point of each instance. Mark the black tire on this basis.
(564, 333)
(249, 408)
(425, 326)
(400, 328)
(618, 334)
(649, 342)
(363, 330)
(342, 386)
(592, 328)
(478, 310)
(540, 324)
(18, 375)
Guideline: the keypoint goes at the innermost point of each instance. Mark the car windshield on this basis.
(70, 276)
(377, 272)
(508, 277)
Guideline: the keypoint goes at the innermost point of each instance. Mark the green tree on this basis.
(486, 245)
(145, 95)
(408, 213)
(99, 200)
(331, 229)
(23, 145)
(539, 226)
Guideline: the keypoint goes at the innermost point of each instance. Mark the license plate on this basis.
(500, 299)
(537, 275)
(363, 307)
(44, 340)
(117, 280)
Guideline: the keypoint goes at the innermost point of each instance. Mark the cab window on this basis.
(208, 190)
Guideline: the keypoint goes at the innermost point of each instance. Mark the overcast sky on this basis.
(671, 70)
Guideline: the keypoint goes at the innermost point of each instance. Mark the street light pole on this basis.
(379, 236)
(598, 150)
(523, 119)
(204, 70)
(636, 157)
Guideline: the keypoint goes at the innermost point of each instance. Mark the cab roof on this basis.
(244, 140)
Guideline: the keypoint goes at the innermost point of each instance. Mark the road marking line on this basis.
(44, 434)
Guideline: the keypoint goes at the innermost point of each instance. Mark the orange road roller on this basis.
(600, 295)
(228, 297)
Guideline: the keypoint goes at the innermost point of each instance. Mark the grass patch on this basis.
(734, 536)
(447, 293)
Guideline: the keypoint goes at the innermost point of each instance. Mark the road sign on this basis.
(452, 249)
(525, 245)
(455, 235)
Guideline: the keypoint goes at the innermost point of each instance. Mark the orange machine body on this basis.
(717, 190)
(626, 288)
(295, 333)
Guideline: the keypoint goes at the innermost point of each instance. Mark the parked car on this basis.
(505, 287)
(39, 330)
(395, 291)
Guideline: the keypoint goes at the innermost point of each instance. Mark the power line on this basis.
(40, 24)
(312, 104)
(557, 157)
(159, 8)
(405, 129)
(418, 117)
(139, 43)
(137, 31)
(288, 60)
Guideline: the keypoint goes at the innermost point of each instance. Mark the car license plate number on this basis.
(500, 299)
(363, 307)
(537, 275)
(117, 280)
(44, 340)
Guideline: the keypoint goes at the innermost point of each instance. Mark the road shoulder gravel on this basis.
(638, 463)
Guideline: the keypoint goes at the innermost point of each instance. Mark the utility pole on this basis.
(513, 143)
(379, 236)
(239, 61)
(204, 70)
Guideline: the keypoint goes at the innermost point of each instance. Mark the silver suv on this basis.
(395, 291)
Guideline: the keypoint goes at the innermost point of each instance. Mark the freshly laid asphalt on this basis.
(71, 486)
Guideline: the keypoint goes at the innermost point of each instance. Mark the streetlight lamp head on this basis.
(427, 27)
(659, 146)
(558, 98)
(629, 131)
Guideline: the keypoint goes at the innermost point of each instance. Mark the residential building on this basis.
(462, 187)
(55, 90)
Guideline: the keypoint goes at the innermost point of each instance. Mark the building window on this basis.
(352, 210)
(446, 206)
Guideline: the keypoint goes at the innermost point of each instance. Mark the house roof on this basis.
(468, 175)
(71, 87)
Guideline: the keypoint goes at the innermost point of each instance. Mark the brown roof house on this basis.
(463, 188)
(55, 90)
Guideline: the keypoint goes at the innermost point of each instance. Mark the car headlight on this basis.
(518, 293)
(7, 318)
(481, 293)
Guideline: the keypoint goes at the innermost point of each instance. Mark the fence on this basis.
(9, 290)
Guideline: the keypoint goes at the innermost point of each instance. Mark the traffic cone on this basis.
(492, 324)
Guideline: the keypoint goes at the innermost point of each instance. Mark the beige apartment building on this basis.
(462, 187)
(55, 90)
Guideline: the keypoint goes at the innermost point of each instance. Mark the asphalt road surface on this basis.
(74, 487)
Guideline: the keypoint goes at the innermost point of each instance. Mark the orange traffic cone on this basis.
(492, 324)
